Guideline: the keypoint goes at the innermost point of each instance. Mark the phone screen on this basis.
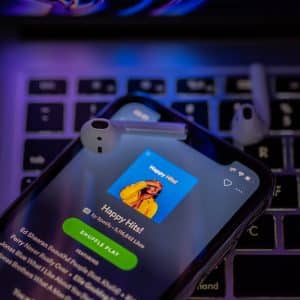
(120, 225)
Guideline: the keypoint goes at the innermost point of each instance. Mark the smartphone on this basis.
(88, 229)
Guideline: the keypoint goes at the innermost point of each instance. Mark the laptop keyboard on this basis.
(266, 262)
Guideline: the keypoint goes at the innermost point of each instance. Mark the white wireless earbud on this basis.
(247, 127)
(102, 135)
(251, 123)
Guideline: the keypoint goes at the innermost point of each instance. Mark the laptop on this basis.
(62, 61)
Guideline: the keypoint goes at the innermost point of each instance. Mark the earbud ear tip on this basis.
(247, 128)
(99, 136)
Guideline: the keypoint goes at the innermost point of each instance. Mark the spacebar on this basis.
(267, 276)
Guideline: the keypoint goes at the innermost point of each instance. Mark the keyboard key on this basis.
(291, 225)
(97, 86)
(238, 85)
(296, 151)
(47, 87)
(151, 86)
(227, 109)
(267, 276)
(285, 193)
(136, 112)
(26, 181)
(287, 84)
(85, 111)
(45, 117)
(195, 111)
(196, 86)
(39, 153)
(285, 115)
(213, 285)
(269, 151)
(259, 235)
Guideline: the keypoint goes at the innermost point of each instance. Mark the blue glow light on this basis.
(135, 8)
(86, 7)
(178, 8)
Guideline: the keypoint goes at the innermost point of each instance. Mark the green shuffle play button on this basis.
(100, 244)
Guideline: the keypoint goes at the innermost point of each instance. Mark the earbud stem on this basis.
(251, 123)
(260, 94)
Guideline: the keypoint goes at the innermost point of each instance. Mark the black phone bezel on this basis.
(252, 25)
(251, 209)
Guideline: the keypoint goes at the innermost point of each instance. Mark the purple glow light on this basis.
(80, 8)
(165, 7)
(177, 8)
